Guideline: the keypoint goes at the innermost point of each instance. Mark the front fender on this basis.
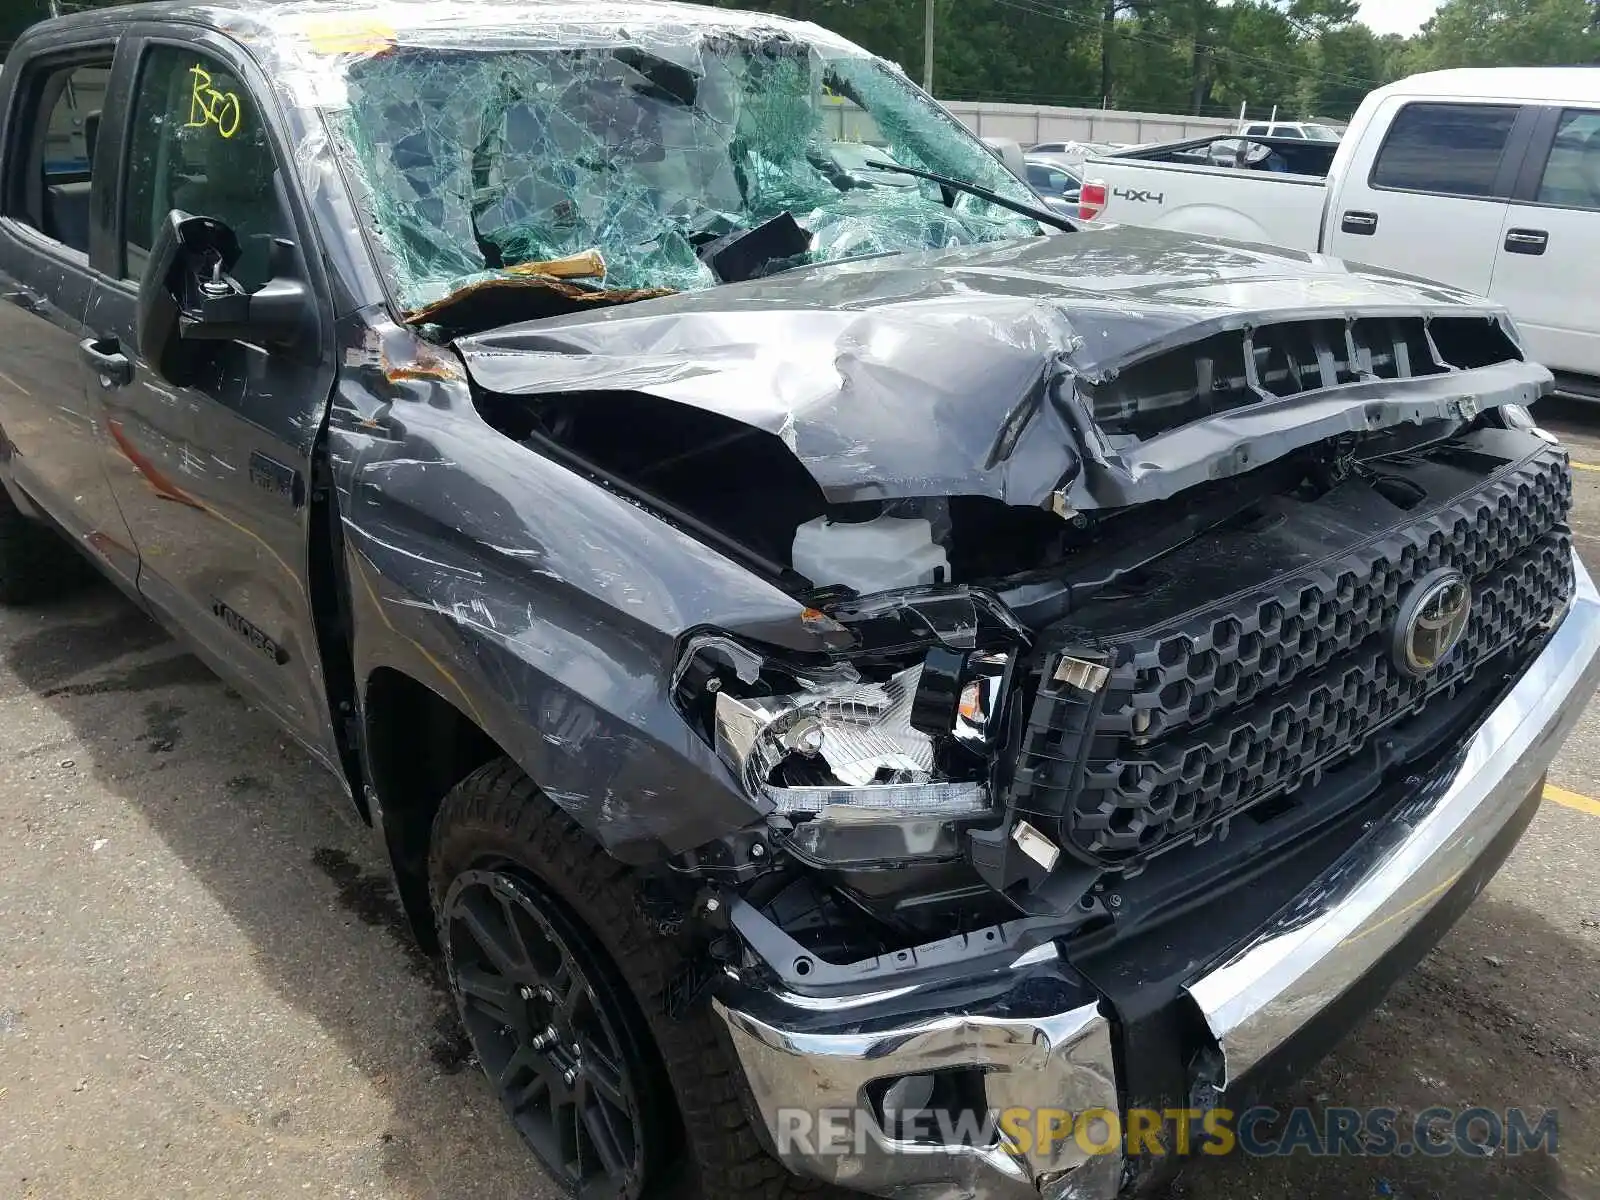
(545, 608)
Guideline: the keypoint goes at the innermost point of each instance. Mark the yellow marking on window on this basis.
(210, 107)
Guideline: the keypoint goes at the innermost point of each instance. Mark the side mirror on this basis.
(1009, 153)
(187, 294)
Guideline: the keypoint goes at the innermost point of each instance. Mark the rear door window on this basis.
(1445, 149)
(55, 143)
(1572, 173)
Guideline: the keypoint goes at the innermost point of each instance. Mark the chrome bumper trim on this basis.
(1292, 970)
(1052, 1062)
(1324, 943)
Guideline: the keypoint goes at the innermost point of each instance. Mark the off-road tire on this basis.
(35, 564)
(497, 813)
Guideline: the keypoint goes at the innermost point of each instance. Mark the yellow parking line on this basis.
(1572, 800)
(1578, 466)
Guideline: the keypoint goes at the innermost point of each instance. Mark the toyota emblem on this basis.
(1432, 620)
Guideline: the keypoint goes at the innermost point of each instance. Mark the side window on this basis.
(197, 144)
(1450, 149)
(54, 141)
(1291, 132)
(1572, 173)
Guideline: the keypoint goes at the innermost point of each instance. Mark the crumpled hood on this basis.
(942, 374)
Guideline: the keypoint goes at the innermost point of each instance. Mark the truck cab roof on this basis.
(1580, 84)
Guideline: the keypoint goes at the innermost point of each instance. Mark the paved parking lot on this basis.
(205, 989)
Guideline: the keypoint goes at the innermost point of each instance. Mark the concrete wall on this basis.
(1032, 123)
(1029, 124)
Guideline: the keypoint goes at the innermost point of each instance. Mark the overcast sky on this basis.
(1397, 16)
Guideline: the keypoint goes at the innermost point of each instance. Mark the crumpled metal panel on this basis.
(545, 608)
(954, 373)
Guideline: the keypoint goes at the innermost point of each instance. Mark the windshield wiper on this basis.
(1042, 215)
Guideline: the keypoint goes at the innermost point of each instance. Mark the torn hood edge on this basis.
(1236, 442)
(876, 412)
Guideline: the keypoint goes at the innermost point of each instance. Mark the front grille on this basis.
(1231, 705)
(1238, 368)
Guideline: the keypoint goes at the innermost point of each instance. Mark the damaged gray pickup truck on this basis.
(860, 685)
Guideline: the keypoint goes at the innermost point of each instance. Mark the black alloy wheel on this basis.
(550, 1035)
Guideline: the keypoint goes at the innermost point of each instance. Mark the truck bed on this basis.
(1290, 156)
(1218, 186)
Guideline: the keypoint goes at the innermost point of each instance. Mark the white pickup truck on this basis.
(1487, 180)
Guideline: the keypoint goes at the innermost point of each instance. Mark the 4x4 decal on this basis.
(1139, 196)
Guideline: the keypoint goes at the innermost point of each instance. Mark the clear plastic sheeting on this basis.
(637, 134)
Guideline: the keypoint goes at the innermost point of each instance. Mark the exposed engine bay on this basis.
(699, 464)
(1114, 597)
(955, 768)
(1061, 701)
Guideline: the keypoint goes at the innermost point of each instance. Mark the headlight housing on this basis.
(1517, 416)
(846, 744)
(877, 752)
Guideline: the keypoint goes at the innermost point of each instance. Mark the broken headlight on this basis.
(875, 752)
(850, 744)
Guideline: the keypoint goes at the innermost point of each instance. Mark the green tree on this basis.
(1110, 12)
(1320, 16)
(1195, 29)
(1304, 57)
(17, 15)
(1040, 50)
(1500, 33)
(1257, 59)
(1343, 65)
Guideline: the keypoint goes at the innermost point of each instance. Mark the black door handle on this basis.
(1362, 224)
(108, 361)
(26, 300)
(1527, 241)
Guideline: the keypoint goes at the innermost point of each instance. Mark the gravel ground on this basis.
(206, 989)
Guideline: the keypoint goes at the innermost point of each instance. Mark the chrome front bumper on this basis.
(1292, 970)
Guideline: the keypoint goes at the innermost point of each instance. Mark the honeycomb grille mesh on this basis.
(1255, 697)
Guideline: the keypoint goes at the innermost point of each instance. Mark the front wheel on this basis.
(561, 984)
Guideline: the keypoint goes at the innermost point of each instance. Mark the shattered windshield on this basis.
(607, 173)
